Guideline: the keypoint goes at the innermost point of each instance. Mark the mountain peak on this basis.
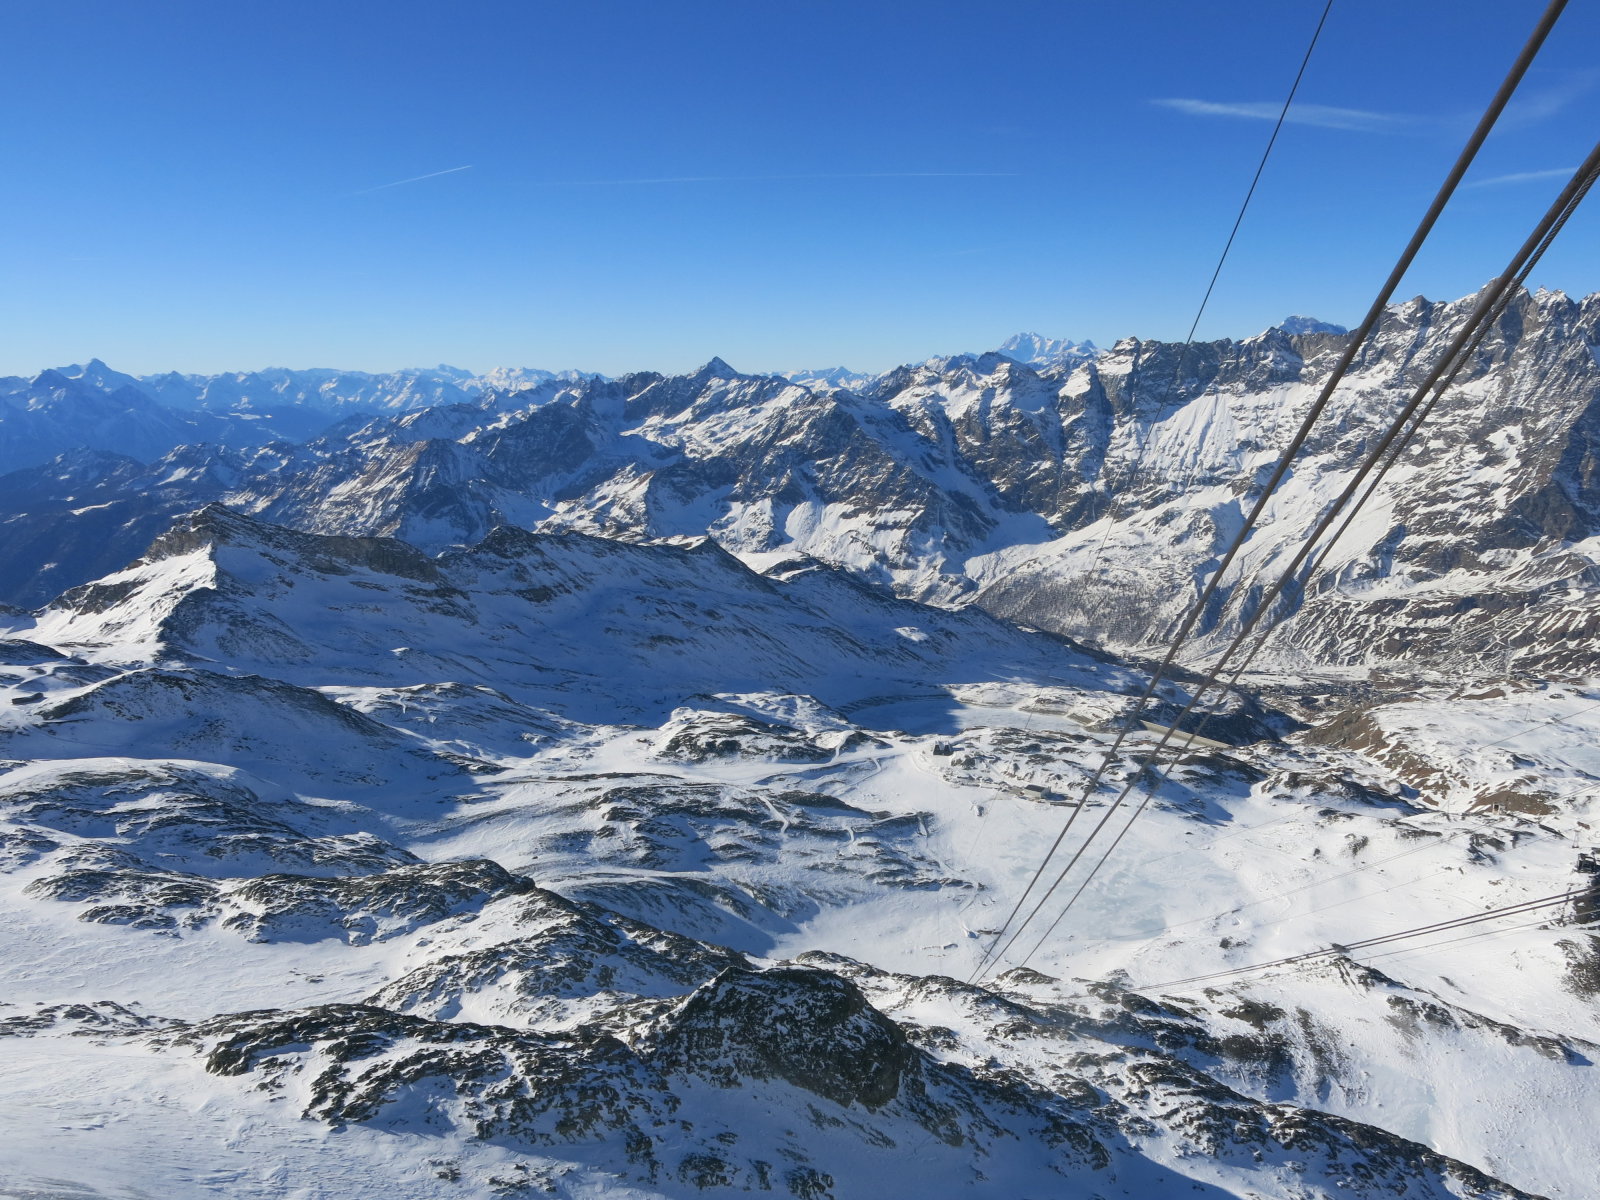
(832, 377)
(214, 526)
(1298, 324)
(210, 525)
(97, 374)
(1038, 350)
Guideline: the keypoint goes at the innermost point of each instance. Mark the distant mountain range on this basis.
(324, 390)
(1084, 493)
(93, 406)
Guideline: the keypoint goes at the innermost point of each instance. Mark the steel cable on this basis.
(1517, 909)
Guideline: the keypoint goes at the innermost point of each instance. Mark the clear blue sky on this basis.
(204, 186)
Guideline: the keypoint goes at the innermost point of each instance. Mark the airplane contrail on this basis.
(413, 179)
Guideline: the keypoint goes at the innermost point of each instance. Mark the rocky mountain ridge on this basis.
(1087, 496)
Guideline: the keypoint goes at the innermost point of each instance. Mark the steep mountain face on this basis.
(1475, 546)
(564, 866)
(1089, 495)
(78, 516)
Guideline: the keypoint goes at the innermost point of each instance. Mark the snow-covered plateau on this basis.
(619, 788)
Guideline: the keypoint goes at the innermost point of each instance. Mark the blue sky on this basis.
(618, 184)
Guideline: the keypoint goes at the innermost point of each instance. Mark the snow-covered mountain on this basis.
(529, 784)
(343, 392)
(593, 626)
(1299, 325)
(567, 866)
(56, 412)
(1040, 351)
(829, 377)
(1089, 496)
(90, 406)
(329, 391)
(1478, 543)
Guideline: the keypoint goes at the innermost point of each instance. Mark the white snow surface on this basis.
(532, 790)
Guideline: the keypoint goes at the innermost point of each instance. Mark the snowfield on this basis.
(558, 866)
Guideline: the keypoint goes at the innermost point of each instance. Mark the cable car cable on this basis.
(1535, 243)
(1463, 161)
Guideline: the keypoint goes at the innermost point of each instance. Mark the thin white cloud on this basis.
(413, 179)
(1525, 177)
(1541, 103)
(1322, 115)
(781, 178)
